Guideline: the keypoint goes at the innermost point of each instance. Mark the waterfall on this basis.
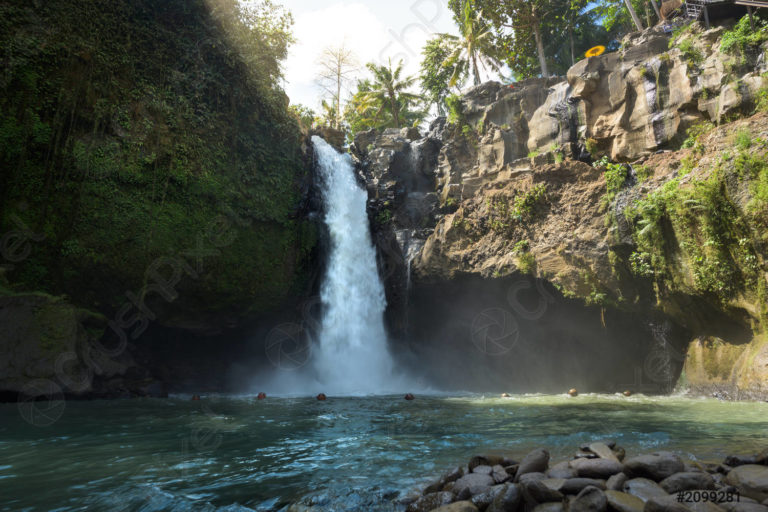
(352, 355)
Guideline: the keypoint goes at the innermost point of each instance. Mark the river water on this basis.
(237, 453)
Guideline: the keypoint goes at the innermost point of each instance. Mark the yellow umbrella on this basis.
(594, 52)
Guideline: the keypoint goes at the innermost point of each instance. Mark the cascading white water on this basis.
(352, 355)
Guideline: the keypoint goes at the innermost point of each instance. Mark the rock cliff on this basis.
(644, 269)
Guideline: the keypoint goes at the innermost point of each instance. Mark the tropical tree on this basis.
(436, 72)
(474, 49)
(384, 101)
(389, 95)
(512, 24)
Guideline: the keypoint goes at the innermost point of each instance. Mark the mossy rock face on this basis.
(37, 330)
(136, 133)
(739, 371)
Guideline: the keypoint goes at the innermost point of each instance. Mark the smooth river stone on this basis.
(484, 460)
(472, 484)
(531, 477)
(616, 482)
(448, 477)
(644, 489)
(736, 506)
(623, 502)
(665, 504)
(656, 466)
(500, 474)
(535, 462)
(483, 500)
(482, 470)
(590, 499)
(575, 485)
(536, 492)
(687, 481)
(596, 468)
(703, 506)
(507, 501)
(603, 451)
(562, 470)
(751, 480)
(459, 506)
(555, 484)
(431, 501)
(550, 507)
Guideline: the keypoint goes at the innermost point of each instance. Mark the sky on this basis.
(376, 30)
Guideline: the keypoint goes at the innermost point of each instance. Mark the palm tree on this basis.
(389, 94)
(473, 49)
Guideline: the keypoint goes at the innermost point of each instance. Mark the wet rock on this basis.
(619, 453)
(751, 480)
(450, 476)
(431, 501)
(483, 500)
(622, 502)
(603, 451)
(644, 489)
(531, 477)
(590, 499)
(585, 455)
(703, 506)
(735, 506)
(610, 443)
(665, 504)
(561, 470)
(687, 481)
(536, 492)
(459, 506)
(556, 484)
(472, 484)
(482, 470)
(740, 460)
(484, 460)
(616, 482)
(656, 466)
(500, 474)
(549, 507)
(596, 468)
(575, 485)
(535, 461)
(508, 500)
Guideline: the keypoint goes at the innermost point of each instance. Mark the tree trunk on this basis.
(573, 46)
(338, 98)
(647, 15)
(635, 17)
(656, 8)
(540, 49)
(475, 70)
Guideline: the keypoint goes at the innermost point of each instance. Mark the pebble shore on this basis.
(600, 478)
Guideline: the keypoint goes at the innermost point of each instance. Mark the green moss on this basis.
(455, 109)
(125, 138)
(526, 261)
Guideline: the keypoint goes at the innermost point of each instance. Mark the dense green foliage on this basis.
(709, 229)
(384, 101)
(437, 73)
(128, 126)
(742, 37)
(542, 37)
